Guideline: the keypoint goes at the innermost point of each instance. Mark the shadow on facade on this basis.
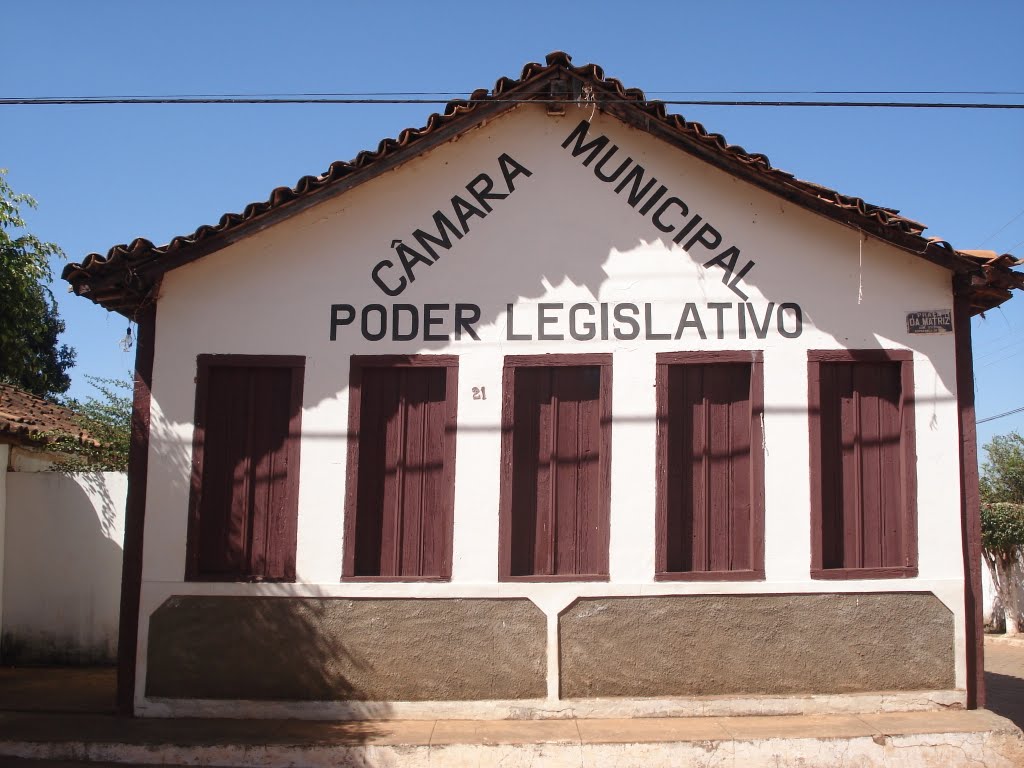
(98, 489)
(521, 270)
(243, 647)
(277, 646)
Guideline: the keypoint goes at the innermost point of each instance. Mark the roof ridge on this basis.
(130, 269)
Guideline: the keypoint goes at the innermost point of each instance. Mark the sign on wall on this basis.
(637, 188)
(930, 321)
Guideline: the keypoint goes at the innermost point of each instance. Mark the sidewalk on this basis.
(947, 739)
(80, 726)
(1004, 676)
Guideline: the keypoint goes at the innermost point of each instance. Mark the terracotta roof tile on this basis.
(122, 279)
(26, 418)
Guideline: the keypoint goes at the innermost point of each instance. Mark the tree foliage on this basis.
(1002, 529)
(1002, 496)
(1002, 525)
(1002, 476)
(105, 419)
(30, 355)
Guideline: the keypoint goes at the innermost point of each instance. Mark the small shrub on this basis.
(1002, 529)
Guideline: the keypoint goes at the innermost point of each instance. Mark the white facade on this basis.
(561, 236)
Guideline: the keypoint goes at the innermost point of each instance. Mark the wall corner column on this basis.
(970, 496)
(135, 510)
(5, 457)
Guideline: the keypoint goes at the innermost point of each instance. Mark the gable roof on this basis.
(28, 419)
(126, 277)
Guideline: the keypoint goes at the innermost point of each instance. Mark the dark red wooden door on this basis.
(708, 490)
(246, 507)
(862, 473)
(558, 524)
(403, 496)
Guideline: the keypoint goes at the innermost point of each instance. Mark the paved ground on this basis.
(92, 691)
(58, 689)
(1004, 678)
(936, 739)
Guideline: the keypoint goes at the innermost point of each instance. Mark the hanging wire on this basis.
(299, 99)
(1000, 415)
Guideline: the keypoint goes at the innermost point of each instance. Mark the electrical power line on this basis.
(1008, 250)
(366, 94)
(1000, 415)
(1021, 213)
(848, 93)
(1002, 359)
(998, 352)
(134, 100)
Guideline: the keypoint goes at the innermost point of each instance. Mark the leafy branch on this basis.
(31, 356)
(106, 422)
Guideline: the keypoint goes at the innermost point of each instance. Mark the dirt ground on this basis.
(1004, 678)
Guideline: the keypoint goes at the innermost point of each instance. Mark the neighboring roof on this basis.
(28, 419)
(124, 279)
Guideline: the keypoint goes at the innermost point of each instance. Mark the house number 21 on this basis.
(479, 393)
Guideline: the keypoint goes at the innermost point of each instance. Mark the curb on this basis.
(1013, 640)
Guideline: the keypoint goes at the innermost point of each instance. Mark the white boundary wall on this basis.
(62, 566)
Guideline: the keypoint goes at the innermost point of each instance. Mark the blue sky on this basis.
(107, 174)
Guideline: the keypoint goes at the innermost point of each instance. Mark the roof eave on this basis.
(127, 278)
(645, 116)
(126, 296)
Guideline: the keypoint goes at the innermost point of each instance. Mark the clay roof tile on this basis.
(121, 279)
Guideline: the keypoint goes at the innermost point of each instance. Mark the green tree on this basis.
(1002, 476)
(106, 420)
(1002, 525)
(30, 355)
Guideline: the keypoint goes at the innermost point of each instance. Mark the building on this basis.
(558, 404)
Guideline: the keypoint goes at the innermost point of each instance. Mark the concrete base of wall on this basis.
(946, 739)
(308, 649)
(559, 709)
(714, 645)
(354, 657)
